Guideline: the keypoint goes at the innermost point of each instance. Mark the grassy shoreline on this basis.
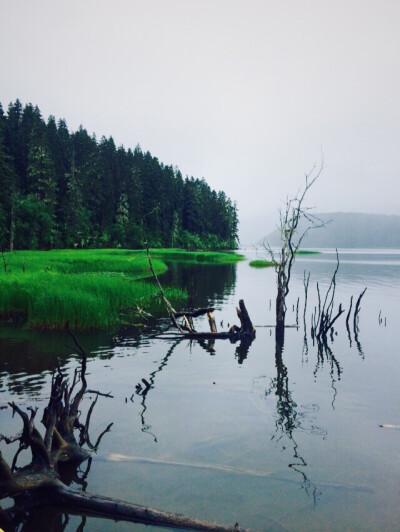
(264, 263)
(86, 288)
(261, 263)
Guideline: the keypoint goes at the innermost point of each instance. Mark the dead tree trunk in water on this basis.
(41, 482)
(280, 304)
(290, 217)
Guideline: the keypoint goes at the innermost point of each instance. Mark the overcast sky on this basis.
(245, 93)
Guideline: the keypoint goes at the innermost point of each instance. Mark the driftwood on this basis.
(246, 331)
(60, 451)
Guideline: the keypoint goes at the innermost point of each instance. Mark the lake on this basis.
(287, 440)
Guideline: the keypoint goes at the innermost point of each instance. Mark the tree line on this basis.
(66, 189)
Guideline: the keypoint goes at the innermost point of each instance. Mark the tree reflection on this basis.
(289, 419)
(143, 387)
(142, 391)
(325, 354)
(242, 350)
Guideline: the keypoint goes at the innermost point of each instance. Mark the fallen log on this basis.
(71, 501)
(246, 331)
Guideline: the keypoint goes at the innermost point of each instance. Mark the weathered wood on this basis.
(170, 308)
(42, 489)
(93, 505)
(187, 324)
(246, 324)
(246, 331)
(211, 321)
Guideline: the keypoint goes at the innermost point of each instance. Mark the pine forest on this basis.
(63, 189)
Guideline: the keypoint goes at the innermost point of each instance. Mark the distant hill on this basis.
(350, 230)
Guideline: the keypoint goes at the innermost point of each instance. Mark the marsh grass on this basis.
(261, 263)
(205, 257)
(307, 252)
(125, 261)
(85, 288)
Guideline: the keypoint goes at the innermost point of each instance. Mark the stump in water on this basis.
(246, 331)
(44, 480)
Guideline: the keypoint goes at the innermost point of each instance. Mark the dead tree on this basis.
(324, 321)
(357, 309)
(43, 481)
(245, 332)
(290, 241)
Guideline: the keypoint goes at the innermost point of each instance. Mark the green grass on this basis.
(205, 257)
(133, 263)
(306, 252)
(261, 263)
(85, 288)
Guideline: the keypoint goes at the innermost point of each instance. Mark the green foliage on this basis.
(261, 263)
(85, 288)
(74, 191)
(34, 224)
(205, 241)
(306, 252)
(205, 257)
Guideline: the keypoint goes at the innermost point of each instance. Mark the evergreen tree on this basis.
(8, 186)
(41, 181)
(74, 214)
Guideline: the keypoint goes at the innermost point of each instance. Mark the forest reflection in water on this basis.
(241, 426)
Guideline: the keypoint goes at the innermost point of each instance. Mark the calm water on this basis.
(287, 443)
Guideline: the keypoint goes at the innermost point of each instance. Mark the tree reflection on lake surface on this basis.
(230, 432)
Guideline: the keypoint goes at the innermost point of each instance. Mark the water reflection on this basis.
(208, 346)
(207, 285)
(143, 388)
(28, 358)
(142, 391)
(289, 419)
(37, 519)
(325, 354)
(242, 350)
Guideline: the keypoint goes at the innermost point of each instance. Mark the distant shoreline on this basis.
(349, 231)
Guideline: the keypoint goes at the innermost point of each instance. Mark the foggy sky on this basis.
(245, 93)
